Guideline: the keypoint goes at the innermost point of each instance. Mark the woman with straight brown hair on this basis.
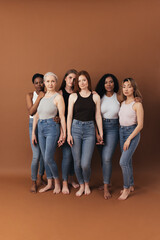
(83, 110)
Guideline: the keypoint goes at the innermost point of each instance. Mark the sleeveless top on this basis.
(110, 107)
(127, 116)
(66, 97)
(47, 109)
(35, 95)
(84, 108)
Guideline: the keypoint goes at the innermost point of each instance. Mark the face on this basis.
(38, 84)
(127, 89)
(70, 79)
(50, 83)
(109, 84)
(82, 82)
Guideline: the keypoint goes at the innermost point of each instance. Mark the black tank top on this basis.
(84, 108)
(66, 97)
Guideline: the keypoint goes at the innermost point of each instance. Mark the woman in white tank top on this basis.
(107, 88)
(32, 100)
(131, 116)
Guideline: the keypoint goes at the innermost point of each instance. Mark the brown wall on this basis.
(121, 37)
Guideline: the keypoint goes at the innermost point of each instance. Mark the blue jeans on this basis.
(83, 134)
(111, 137)
(67, 162)
(37, 155)
(126, 157)
(48, 134)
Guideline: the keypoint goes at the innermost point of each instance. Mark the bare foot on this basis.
(125, 194)
(107, 194)
(87, 190)
(46, 188)
(131, 189)
(65, 189)
(80, 191)
(72, 182)
(57, 187)
(33, 188)
(49, 186)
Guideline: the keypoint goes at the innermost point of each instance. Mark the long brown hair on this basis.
(63, 84)
(86, 74)
(136, 92)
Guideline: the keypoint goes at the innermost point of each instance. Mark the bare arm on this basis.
(98, 116)
(59, 101)
(140, 118)
(32, 108)
(72, 99)
(35, 120)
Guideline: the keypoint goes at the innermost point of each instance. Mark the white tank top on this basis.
(110, 107)
(127, 115)
(35, 95)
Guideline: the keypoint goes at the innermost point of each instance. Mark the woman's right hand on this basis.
(70, 140)
(34, 139)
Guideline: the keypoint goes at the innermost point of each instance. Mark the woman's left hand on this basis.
(126, 144)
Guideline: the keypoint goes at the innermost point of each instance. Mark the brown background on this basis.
(120, 37)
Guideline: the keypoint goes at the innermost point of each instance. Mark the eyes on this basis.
(109, 82)
(50, 81)
(36, 83)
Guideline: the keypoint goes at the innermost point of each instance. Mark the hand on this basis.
(34, 139)
(70, 140)
(126, 144)
(99, 140)
(138, 99)
(56, 119)
(61, 140)
(41, 95)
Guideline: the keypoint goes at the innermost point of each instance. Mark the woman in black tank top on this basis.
(83, 110)
(67, 161)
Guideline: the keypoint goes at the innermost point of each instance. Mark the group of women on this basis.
(85, 116)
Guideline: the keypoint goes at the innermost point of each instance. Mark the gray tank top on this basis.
(47, 109)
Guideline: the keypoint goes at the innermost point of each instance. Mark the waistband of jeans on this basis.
(46, 120)
(83, 123)
(127, 127)
(111, 120)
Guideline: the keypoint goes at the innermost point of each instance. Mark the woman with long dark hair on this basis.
(65, 90)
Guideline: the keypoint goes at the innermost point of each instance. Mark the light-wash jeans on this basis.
(67, 162)
(111, 137)
(37, 159)
(126, 157)
(83, 134)
(48, 134)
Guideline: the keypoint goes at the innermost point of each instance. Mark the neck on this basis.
(38, 92)
(109, 94)
(50, 92)
(68, 89)
(130, 98)
(85, 91)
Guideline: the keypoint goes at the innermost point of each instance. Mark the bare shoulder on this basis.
(29, 96)
(58, 97)
(96, 97)
(73, 96)
(137, 106)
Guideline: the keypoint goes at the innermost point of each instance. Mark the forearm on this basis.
(135, 132)
(63, 126)
(35, 120)
(69, 121)
(99, 125)
(34, 107)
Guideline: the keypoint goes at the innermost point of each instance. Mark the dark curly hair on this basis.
(100, 89)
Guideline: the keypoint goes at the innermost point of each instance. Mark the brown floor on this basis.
(26, 216)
